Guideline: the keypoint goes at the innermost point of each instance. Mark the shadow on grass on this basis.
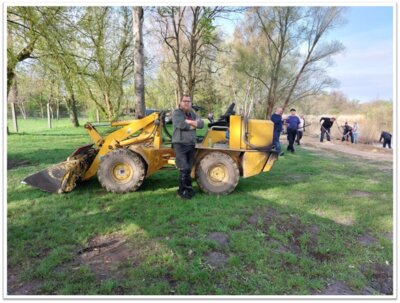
(48, 156)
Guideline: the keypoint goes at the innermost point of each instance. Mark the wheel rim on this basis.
(121, 172)
(217, 173)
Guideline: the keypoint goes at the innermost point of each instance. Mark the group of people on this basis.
(348, 131)
(295, 126)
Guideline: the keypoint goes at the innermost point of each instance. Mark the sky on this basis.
(365, 69)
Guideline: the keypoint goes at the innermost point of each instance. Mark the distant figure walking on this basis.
(277, 119)
(300, 130)
(387, 139)
(347, 132)
(326, 128)
(292, 125)
(355, 133)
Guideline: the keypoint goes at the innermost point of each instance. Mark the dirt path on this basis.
(361, 150)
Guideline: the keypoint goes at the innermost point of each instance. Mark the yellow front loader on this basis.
(233, 147)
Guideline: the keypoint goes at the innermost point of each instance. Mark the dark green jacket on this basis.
(182, 131)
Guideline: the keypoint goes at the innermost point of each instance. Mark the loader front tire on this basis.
(217, 173)
(121, 171)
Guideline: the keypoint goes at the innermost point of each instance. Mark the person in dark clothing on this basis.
(347, 132)
(184, 123)
(277, 119)
(326, 128)
(387, 139)
(292, 125)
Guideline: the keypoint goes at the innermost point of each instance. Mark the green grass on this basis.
(168, 238)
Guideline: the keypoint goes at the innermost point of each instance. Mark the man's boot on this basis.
(188, 184)
(182, 190)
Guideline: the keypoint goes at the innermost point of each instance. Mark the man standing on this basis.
(277, 119)
(300, 130)
(387, 139)
(326, 128)
(292, 125)
(185, 122)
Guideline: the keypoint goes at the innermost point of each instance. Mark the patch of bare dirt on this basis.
(108, 255)
(360, 150)
(388, 235)
(216, 259)
(366, 239)
(303, 238)
(270, 216)
(338, 288)
(380, 277)
(360, 193)
(221, 238)
(11, 164)
(253, 220)
(15, 287)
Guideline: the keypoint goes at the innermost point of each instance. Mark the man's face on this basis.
(279, 111)
(186, 103)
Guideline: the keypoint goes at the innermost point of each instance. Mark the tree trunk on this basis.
(138, 59)
(70, 102)
(13, 98)
(14, 117)
(48, 115)
(97, 115)
(41, 111)
(58, 109)
(73, 114)
(269, 110)
(21, 107)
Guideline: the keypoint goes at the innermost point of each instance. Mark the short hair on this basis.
(186, 95)
(292, 110)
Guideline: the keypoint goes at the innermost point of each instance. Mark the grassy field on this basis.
(318, 223)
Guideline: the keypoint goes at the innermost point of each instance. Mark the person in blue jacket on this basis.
(278, 125)
(292, 125)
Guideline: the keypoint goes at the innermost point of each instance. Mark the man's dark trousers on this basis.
(291, 135)
(388, 142)
(184, 159)
(328, 134)
(275, 141)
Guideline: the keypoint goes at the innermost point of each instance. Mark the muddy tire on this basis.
(121, 171)
(217, 174)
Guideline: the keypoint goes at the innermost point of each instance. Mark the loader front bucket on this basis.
(62, 177)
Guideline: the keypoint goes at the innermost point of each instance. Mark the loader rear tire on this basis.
(217, 173)
(121, 171)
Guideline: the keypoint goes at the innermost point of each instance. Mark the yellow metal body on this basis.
(142, 136)
(245, 137)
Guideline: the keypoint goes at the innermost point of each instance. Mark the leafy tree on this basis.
(284, 49)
